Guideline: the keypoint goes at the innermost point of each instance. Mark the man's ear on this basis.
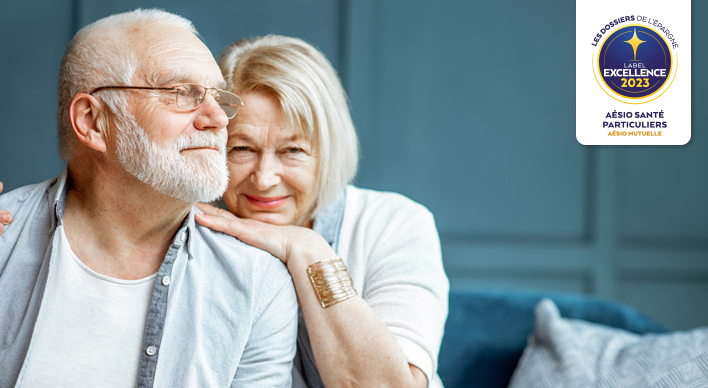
(88, 119)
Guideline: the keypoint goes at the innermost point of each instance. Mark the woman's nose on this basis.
(267, 174)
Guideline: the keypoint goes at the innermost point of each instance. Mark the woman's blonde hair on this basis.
(312, 99)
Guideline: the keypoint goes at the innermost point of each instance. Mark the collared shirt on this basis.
(222, 313)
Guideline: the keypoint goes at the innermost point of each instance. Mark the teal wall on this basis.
(467, 107)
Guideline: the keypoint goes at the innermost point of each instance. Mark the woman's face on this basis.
(273, 168)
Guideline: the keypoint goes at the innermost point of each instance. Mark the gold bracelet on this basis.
(331, 281)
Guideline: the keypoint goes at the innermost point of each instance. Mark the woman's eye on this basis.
(294, 150)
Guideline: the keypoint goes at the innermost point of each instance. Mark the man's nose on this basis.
(211, 116)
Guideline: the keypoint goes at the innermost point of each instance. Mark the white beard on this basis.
(199, 177)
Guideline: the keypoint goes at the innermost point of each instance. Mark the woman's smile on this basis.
(265, 202)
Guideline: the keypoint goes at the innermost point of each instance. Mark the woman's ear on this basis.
(86, 114)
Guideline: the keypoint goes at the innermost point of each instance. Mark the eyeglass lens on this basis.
(190, 96)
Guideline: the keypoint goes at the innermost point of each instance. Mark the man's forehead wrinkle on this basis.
(163, 44)
(166, 78)
(160, 39)
(160, 78)
(181, 49)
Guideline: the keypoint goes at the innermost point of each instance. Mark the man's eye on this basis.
(240, 149)
(182, 92)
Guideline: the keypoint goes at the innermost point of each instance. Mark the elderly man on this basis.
(105, 280)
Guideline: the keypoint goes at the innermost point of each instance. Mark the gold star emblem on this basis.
(635, 42)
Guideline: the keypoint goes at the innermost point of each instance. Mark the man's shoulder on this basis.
(246, 269)
(13, 200)
(233, 253)
(29, 206)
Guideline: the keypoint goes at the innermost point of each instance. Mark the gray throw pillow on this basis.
(572, 353)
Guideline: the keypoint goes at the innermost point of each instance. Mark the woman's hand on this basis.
(282, 241)
(5, 217)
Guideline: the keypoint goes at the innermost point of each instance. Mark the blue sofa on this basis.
(486, 331)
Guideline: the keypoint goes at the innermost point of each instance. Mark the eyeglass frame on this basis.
(175, 89)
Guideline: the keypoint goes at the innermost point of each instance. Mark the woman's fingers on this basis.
(209, 209)
(219, 219)
(270, 238)
(229, 225)
(225, 222)
(251, 233)
(278, 240)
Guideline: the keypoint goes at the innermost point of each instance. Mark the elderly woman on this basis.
(366, 265)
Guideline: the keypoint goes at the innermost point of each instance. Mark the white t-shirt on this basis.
(90, 327)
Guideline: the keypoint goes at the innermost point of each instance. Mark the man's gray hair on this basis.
(100, 54)
(312, 99)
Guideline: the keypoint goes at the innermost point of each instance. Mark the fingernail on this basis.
(6, 218)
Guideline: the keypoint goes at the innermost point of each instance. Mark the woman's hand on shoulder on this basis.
(285, 242)
(5, 217)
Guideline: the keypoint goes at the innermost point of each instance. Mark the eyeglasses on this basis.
(190, 96)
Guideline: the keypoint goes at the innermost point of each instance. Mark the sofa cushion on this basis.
(573, 353)
(486, 331)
